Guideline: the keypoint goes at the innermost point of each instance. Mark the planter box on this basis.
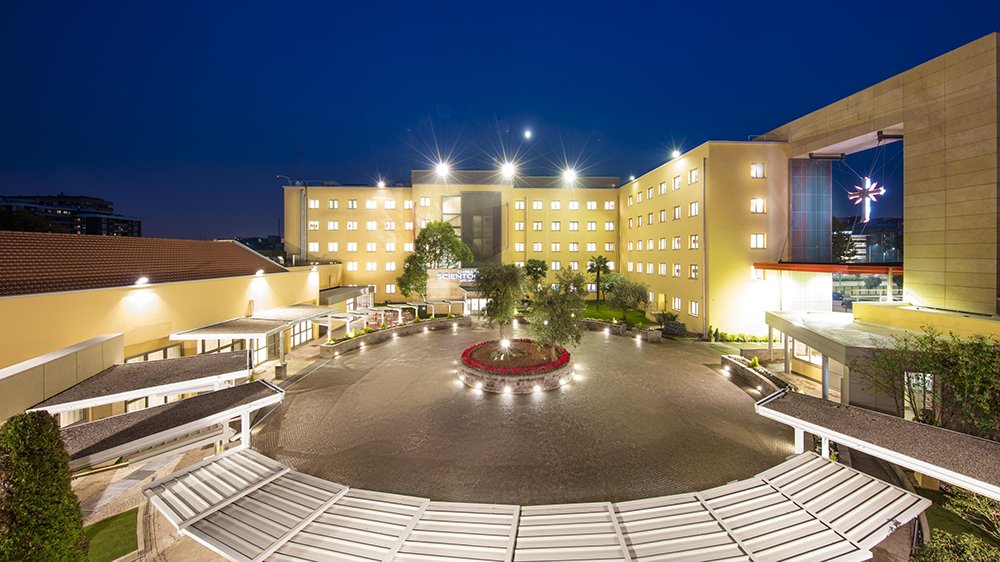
(652, 336)
(760, 379)
(328, 350)
(518, 384)
(599, 326)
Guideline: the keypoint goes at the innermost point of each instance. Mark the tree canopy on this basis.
(553, 320)
(626, 295)
(598, 265)
(436, 247)
(504, 286)
(536, 270)
(39, 514)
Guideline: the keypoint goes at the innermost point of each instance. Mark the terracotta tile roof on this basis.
(42, 262)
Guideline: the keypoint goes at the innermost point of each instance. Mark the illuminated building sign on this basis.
(460, 275)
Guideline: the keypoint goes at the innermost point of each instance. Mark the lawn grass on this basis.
(608, 314)
(113, 537)
(940, 518)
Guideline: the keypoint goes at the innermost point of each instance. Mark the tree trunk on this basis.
(598, 280)
(625, 317)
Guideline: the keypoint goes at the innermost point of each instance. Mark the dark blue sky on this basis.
(182, 113)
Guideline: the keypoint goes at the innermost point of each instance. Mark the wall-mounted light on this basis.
(675, 153)
(142, 281)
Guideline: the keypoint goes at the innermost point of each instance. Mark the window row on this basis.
(639, 245)
(647, 268)
(556, 226)
(371, 266)
(557, 246)
(353, 246)
(370, 204)
(556, 205)
(573, 266)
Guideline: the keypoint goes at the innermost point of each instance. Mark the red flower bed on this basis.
(468, 360)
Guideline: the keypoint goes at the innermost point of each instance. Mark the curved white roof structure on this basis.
(246, 506)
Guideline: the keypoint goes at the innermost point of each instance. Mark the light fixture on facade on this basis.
(381, 184)
(508, 169)
(569, 174)
(675, 153)
(442, 169)
(259, 273)
(142, 281)
(631, 178)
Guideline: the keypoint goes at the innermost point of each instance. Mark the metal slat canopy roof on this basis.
(956, 458)
(246, 506)
(235, 329)
(120, 383)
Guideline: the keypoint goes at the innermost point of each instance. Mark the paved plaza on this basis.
(642, 420)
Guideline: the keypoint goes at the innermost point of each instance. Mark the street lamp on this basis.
(508, 169)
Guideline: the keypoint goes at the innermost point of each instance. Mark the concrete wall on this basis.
(146, 315)
(902, 315)
(947, 109)
(27, 383)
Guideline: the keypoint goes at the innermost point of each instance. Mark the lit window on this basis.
(609, 205)
(407, 246)
(574, 266)
(663, 269)
(640, 220)
(555, 226)
(408, 225)
(352, 246)
(638, 267)
(574, 226)
(352, 203)
(574, 247)
(371, 246)
(352, 225)
(332, 225)
(677, 182)
(371, 226)
(649, 193)
(649, 218)
(677, 212)
(757, 205)
(663, 243)
(649, 246)
(390, 225)
(390, 266)
(677, 270)
(631, 222)
(314, 203)
(663, 215)
(591, 246)
(519, 204)
(555, 205)
(519, 225)
(425, 201)
(389, 204)
(371, 204)
(314, 246)
(638, 197)
(592, 226)
(408, 204)
(608, 247)
(536, 247)
(556, 246)
(757, 170)
(693, 273)
(591, 287)
(390, 246)
(693, 209)
(649, 268)
(518, 246)
(638, 245)
(631, 245)
(390, 288)
(556, 266)
(756, 274)
(693, 176)
(611, 265)
(663, 187)
(677, 303)
(423, 223)
(758, 241)
(693, 242)
(693, 308)
(574, 205)
(313, 225)
(536, 226)
(537, 205)
(371, 266)
(629, 200)
(609, 225)
(332, 247)
(676, 243)
(333, 203)
(629, 267)
(519, 263)
(591, 205)
(352, 266)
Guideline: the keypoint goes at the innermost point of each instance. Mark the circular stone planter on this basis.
(524, 379)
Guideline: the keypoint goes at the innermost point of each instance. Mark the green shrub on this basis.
(39, 513)
(964, 547)
(663, 317)
(367, 330)
(674, 328)
(754, 362)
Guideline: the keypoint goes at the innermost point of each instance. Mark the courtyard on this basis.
(639, 420)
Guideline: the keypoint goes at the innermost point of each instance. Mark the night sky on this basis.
(183, 113)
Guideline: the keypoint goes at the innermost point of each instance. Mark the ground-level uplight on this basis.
(479, 386)
(537, 388)
(607, 331)
(505, 343)
(425, 329)
(507, 390)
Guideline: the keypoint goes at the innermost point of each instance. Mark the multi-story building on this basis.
(75, 214)
(668, 228)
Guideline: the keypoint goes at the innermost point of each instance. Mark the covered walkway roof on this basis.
(130, 381)
(293, 314)
(963, 460)
(329, 297)
(835, 334)
(93, 443)
(246, 506)
(260, 325)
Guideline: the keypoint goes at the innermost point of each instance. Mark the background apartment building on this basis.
(661, 229)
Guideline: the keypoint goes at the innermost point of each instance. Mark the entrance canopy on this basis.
(806, 508)
(956, 458)
(337, 295)
(293, 314)
(834, 334)
(260, 325)
(180, 424)
(121, 383)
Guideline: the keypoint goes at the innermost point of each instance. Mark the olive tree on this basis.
(436, 247)
(553, 319)
(536, 270)
(503, 286)
(626, 295)
(39, 513)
